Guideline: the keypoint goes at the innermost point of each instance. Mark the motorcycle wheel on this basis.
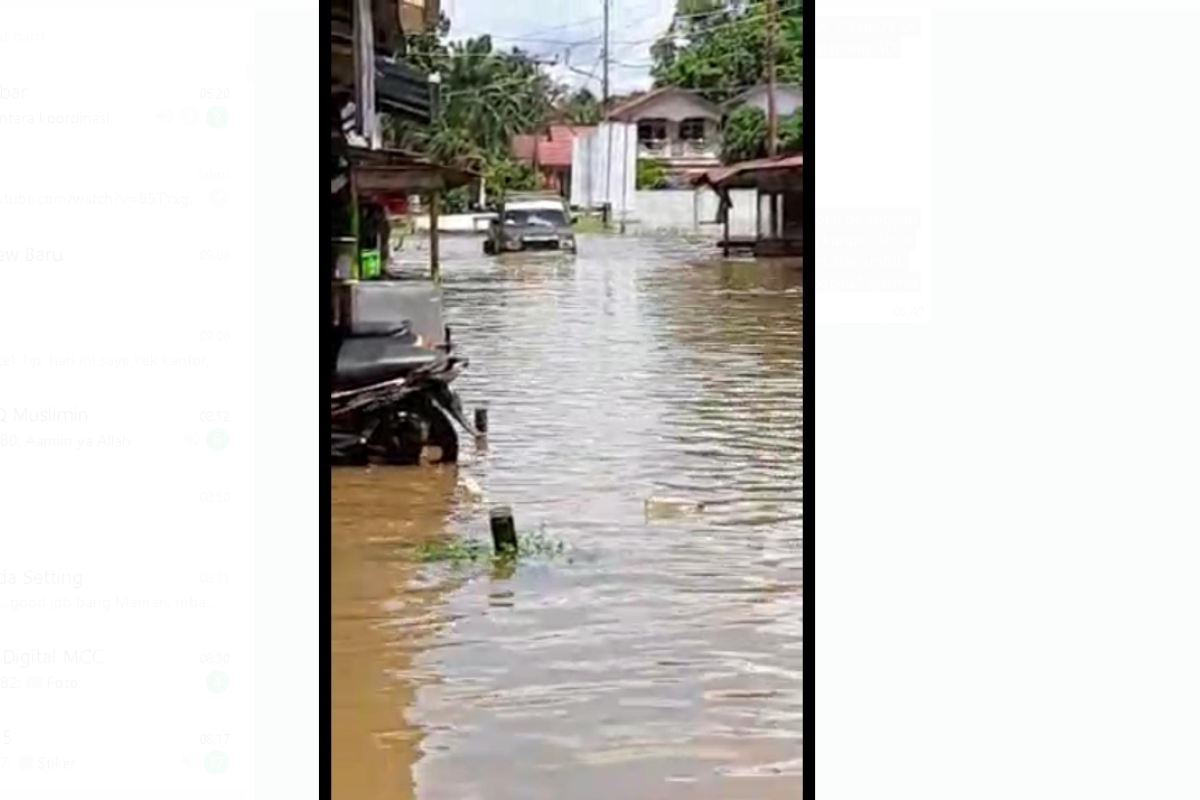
(400, 441)
(443, 436)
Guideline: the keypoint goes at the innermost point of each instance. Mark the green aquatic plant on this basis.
(476, 551)
(459, 551)
(539, 545)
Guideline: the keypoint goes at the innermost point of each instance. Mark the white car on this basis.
(531, 223)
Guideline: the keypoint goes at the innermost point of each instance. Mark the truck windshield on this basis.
(544, 218)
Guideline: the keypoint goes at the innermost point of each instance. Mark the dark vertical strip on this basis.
(327, 231)
(809, 344)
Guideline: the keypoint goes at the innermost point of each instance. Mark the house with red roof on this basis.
(551, 153)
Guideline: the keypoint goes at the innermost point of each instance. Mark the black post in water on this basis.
(504, 531)
(481, 420)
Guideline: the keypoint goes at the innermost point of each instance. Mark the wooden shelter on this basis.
(368, 75)
(779, 183)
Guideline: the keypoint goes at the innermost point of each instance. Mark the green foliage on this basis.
(726, 51)
(581, 108)
(745, 135)
(487, 97)
(504, 175)
(791, 133)
(461, 552)
(651, 174)
(690, 8)
(456, 201)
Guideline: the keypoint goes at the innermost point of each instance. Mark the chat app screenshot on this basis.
(127, 235)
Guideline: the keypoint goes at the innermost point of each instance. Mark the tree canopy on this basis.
(487, 97)
(720, 48)
(581, 107)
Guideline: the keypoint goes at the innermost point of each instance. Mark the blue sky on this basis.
(570, 30)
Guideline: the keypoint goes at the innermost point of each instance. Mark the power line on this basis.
(742, 20)
(526, 57)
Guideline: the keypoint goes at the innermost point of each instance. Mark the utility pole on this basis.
(772, 116)
(609, 123)
(604, 102)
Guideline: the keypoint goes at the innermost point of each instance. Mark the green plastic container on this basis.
(369, 266)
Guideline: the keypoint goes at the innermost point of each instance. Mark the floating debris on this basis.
(673, 507)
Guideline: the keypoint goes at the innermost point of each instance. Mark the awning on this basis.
(773, 174)
(399, 171)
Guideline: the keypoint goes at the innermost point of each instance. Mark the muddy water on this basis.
(660, 656)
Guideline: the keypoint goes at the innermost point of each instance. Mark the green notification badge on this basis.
(217, 440)
(217, 681)
(217, 117)
(216, 762)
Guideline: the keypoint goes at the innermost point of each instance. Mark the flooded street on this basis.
(658, 657)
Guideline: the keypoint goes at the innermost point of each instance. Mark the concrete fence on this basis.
(664, 211)
(692, 211)
(456, 223)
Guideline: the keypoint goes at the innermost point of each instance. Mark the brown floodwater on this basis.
(659, 657)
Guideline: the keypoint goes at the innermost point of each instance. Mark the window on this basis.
(692, 130)
(540, 218)
(652, 130)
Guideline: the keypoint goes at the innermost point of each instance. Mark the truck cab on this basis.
(531, 222)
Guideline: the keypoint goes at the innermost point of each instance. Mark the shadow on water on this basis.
(663, 660)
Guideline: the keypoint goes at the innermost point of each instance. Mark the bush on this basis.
(651, 174)
(456, 201)
(505, 175)
(791, 133)
(745, 135)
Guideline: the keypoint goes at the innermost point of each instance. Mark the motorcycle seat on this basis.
(363, 361)
(388, 330)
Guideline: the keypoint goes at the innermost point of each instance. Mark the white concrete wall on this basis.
(688, 211)
(594, 180)
(456, 223)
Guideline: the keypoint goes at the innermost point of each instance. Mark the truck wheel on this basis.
(489, 248)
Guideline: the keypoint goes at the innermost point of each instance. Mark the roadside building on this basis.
(552, 154)
(779, 191)
(677, 128)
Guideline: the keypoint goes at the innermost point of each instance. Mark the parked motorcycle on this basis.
(392, 402)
